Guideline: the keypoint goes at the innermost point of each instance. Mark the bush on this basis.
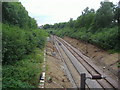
(106, 38)
(24, 73)
(17, 42)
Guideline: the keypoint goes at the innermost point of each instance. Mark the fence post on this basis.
(83, 78)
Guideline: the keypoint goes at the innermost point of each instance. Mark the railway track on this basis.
(83, 64)
(68, 70)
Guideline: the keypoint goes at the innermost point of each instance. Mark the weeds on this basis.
(23, 73)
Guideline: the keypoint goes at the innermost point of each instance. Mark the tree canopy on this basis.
(14, 13)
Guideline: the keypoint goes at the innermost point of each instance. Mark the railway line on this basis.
(73, 74)
(82, 64)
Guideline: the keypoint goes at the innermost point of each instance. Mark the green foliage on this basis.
(14, 13)
(117, 15)
(99, 28)
(17, 42)
(24, 73)
(46, 26)
(104, 15)
(55, 26)
(107, 38)
(20, 38)
(85, 20)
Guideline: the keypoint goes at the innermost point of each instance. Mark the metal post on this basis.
(83, 78)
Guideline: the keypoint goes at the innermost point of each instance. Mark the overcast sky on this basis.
(55, 11)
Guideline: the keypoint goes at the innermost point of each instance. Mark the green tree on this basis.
(104, 15)
(86, 19)
(117, 15)
(71, 23)
(14, 13)
(46, 26)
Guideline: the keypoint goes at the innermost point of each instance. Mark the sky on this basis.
(55, 11)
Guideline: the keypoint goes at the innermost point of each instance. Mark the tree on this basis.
(86, 19)
(117, 15)
(46, 26)
(14, 13)
(71, 23)
(104, 15)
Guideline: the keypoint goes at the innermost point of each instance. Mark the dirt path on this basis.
(55, 75)
(99, 56)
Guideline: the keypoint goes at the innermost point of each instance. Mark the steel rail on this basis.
(68, 70)
(93, 68)
(80, 68)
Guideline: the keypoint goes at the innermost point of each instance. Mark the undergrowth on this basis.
(24, 73)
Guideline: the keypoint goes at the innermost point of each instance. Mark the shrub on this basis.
(24, 73)
(17, 42)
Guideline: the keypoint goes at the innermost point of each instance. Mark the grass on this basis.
(24, 73)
